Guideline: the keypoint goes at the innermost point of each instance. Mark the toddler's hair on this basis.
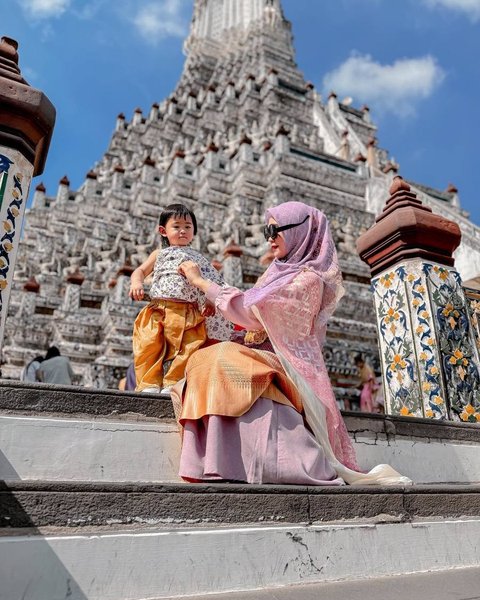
(176, 210)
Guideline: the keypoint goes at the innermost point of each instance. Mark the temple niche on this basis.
(243, 130)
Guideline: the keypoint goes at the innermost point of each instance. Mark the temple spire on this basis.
(219, 20)
(214, 18)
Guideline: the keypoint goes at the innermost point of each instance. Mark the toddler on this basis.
(179, 319)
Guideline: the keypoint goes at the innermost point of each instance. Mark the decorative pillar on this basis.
(71, 300)
(27, 119)
(427, 342)
(282, 142)
(122, 286)
(232, 265)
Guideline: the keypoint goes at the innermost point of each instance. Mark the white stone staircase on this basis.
(91, 506)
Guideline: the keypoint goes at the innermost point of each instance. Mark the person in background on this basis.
(369, 385)
(131, 382)
(379, 406)
(128, 383)
(55, 368)
(29, 372)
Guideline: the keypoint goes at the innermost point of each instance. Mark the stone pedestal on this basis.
(26, 125)
(427, 342)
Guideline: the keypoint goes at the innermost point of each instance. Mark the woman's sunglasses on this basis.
(272, 231)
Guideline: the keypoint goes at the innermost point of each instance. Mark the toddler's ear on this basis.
(162, 231)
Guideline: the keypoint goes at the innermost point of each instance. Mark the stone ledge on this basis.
(47, 504)
(391, 427)
(22, 398)
(31, 398)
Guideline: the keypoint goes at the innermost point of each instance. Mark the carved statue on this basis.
(116, 254)
(74, 264)
(232, 225)
(143, 251)
(349, 242)
(50, 267)
(255, 244)
(216, 246)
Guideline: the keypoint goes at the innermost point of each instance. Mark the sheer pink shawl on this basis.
(294, 300)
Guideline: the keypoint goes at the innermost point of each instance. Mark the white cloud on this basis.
(44, 9)
(395, 88)
(161, 19)
(470, 7)
(89, 10)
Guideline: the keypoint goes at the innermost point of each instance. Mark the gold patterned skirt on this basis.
(227, 379)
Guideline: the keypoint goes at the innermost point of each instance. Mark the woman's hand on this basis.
(191, 272)
(209, 309)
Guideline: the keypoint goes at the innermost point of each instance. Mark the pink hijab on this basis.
(311, 247)
(294, 299)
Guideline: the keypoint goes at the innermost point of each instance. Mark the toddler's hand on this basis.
(190, 270)
(136, 291)
(209, 309)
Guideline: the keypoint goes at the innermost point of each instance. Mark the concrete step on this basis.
(455, 584)
(139, 563)
(110, 539)
(74, 504)
(64, 401)
(69, 433)
(56, 433)
(42, 448)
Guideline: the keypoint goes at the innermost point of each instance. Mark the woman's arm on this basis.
(138, 276)
(228, 300)
(191, 271)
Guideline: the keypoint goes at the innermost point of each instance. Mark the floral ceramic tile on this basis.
(429, 341)
(403, 395)
(473, 303)
(426, 348)
(12, 197)
(456, 340)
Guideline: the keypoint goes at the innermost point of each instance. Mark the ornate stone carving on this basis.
(242, 131)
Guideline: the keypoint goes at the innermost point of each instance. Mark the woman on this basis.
(29, 372)
(243, 409)
(369, 385)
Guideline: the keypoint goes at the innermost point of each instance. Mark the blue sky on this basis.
(414, 62)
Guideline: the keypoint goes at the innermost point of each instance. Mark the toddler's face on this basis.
(178, 231)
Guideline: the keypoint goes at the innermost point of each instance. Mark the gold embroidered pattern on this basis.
(258, 336)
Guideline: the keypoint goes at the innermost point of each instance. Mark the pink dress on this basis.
(268, 444)
(369, 389)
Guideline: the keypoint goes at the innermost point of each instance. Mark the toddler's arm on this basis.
(138, 276)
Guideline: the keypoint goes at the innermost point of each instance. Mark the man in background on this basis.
(55, 368)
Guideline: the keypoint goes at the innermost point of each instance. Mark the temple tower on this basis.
(242, 130)
(241, 34)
